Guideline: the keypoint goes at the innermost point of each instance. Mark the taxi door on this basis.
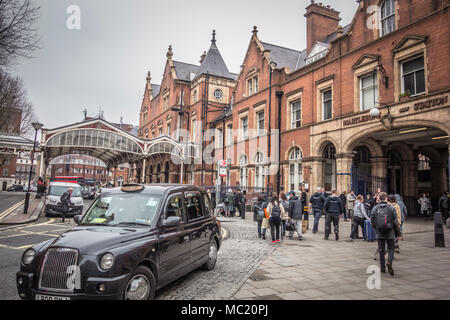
(198, 223)
(174, 242)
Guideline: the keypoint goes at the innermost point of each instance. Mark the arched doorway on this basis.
(361, 171)
(394, 172)
(329, 172)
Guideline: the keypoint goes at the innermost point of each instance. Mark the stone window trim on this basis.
(320, 88)
(289, 101)
(168, 128)
(358, 74)
(403, 55)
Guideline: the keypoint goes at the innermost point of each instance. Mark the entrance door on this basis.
(4, 185)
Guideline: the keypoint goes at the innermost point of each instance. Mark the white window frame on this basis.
(244, 136)
(296, 176)
(390, 15)
(258, 122)
(374, 89)
(229, 134)
(414, 72)
(322, 92)
(219, 136)
(293, 119)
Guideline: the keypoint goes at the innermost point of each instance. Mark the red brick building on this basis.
(363, 106)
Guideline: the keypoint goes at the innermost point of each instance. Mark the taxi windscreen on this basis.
(123, 209)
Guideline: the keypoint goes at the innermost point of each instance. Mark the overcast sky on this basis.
(105, 63)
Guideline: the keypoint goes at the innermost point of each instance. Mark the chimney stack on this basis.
(321, 21)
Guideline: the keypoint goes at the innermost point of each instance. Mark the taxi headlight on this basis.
(28, 256)
(106, 261)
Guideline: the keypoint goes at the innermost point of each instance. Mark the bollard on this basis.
(439, 240)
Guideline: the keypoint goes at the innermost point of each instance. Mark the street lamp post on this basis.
(36, 126)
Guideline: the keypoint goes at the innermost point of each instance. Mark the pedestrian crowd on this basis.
(380, 217)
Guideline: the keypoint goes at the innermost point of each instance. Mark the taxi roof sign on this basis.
(132, 188)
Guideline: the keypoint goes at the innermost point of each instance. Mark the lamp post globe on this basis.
(374, 112)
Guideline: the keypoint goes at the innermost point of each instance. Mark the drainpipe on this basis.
(279, 96)
(271, 64)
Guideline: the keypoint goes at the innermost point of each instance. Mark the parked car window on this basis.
(174, 207)
(193, 205)
(139, 209)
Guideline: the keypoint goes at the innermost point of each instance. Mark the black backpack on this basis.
(276, 211)
(383, 221)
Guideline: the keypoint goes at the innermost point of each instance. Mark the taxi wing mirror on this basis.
(77, 219)
(172, 221)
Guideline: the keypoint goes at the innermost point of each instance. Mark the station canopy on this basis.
(95, 137)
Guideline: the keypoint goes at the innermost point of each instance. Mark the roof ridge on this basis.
(275, 45)
(194, 65)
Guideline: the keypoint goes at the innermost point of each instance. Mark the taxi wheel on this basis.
(212, 256)
(141, 285)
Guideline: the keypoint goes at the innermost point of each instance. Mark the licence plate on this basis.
(45, 297)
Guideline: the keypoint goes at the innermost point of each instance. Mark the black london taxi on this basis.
(130, 242)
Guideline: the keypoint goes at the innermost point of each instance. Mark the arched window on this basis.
(295, 169)
(259, 170)
(243, 171)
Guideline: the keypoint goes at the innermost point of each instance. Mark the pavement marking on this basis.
(5, 213)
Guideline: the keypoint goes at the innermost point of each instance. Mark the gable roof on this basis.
(285, 57)
(185, 70)
(333, 36)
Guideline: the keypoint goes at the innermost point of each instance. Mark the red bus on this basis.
(72, 179)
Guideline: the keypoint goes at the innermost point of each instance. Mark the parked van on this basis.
(53, 199)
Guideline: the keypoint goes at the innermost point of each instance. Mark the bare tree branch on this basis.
(18, 35)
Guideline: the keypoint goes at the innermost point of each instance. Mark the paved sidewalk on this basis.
(323, 270)
(18, 217)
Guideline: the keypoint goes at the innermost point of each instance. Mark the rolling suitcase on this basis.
(369, 232)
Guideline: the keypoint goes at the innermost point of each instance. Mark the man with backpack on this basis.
(66, 203)
(296, 215)
(333, 209)
(317, 202)
(276, 213)
(384, 220)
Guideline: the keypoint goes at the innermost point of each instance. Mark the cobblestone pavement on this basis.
(322, 270)
(240, 255)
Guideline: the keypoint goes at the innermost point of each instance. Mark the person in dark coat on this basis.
(260, 205)
(317, 202)
(296, 215)
(333, 209)
(65, 203)
(384, 212)
(238, 202)
(443, 206)
(343, 198)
